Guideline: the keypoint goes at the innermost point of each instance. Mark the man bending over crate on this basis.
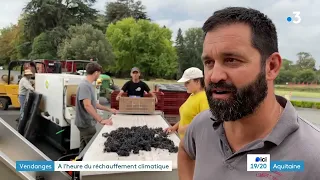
(135, 87)
(87, 105)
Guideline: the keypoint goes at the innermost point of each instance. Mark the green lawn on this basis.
(297, 93)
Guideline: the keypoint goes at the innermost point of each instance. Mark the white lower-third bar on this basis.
(113, 166)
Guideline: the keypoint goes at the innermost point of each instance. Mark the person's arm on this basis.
(85, 96)
(147, 89)
(27, 84)
(172, 128)
(123, 90)
(187, 155)
(176, 126)
(182, 129)
(105, 108)
(90, 109)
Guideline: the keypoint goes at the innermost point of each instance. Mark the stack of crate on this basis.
(174, 96)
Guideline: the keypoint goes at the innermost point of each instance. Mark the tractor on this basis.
(107, 86)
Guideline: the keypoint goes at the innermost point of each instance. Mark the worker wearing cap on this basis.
(135, 87)
(196, 103)
(24, 86)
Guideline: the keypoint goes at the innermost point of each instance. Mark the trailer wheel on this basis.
(4, 103)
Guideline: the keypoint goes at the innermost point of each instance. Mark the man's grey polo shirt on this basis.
(293, 138)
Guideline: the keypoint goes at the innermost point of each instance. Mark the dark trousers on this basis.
(86, 135)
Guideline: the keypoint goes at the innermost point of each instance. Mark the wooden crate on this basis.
(144, 105)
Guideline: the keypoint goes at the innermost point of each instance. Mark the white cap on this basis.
(191, 73)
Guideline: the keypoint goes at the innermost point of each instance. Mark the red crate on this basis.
(178, 95)
(174, 110)
(174, 102)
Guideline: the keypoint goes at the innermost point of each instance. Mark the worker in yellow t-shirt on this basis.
(197, 101)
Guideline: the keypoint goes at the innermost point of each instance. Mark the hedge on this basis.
(306, 104)
(301, 89)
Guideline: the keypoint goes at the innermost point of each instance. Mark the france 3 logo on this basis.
(258, 162)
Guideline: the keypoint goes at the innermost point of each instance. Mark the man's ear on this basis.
(273, 66)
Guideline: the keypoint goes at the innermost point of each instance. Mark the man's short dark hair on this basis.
(264, 34)
(93, 67)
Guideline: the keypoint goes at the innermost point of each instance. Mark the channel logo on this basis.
(258, 162)
(261, 159)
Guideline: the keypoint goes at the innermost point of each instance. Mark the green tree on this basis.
(6, 37)
(181, 52)
(318, 75)
(194, 45)
(100, 23)
(286, 76)
(42, 47)
(306, 75)
(120, 9)
(306, 61)
(45, 15)
(22, 43)
(143, 44)
(86, 42)
(286, 64)
(9, 37)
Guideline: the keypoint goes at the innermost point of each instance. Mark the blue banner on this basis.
(287, 166)
(34, 165)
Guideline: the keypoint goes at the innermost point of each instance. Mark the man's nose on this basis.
(217, 74)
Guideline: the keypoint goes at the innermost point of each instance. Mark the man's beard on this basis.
(242, 102)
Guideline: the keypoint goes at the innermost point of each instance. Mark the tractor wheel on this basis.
(4, 103)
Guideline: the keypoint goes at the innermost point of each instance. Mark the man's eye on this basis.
(207, 62)
(230, 60)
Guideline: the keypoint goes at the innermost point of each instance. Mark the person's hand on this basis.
(106, 122)
(169, 130)
(113, 111)
(117, 98)
(156, 99)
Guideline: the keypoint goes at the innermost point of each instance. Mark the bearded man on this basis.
(241, 62)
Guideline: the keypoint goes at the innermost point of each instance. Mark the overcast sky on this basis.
(175, 14)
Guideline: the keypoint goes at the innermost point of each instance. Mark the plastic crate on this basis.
(174, 102)
(177, 95)
(174, 110)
